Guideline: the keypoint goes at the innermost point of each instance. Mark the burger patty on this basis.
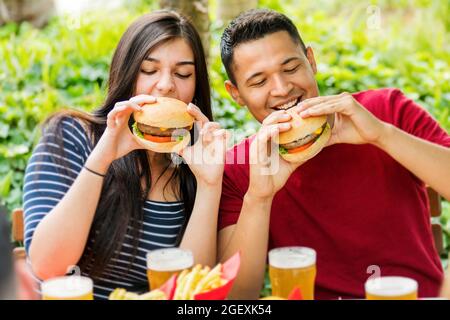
(154, 131)
(302, 141)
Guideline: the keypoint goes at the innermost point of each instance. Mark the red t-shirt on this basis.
(354, 204)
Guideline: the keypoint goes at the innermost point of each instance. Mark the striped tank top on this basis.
(45, 184)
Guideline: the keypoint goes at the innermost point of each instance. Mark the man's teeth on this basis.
(287, 105)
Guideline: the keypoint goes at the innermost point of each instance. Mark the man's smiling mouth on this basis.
(288, 105)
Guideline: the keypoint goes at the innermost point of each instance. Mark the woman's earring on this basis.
(176, 160)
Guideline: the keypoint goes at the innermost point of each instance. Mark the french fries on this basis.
(122, 294)
(199, 279)
(153, 295)
(189, 283)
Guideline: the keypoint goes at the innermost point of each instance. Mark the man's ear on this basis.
(311, 59)
(234, 92)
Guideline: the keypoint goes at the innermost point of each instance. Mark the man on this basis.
(359, 203)
(16, 281)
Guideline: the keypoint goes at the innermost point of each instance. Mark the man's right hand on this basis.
(266, 178)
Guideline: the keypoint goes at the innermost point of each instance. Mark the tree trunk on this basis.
(197, 12)
(230, 9)
(37, 12)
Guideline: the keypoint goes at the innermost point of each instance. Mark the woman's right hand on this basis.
(117, 139)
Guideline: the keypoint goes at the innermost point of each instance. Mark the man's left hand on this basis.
(353, 123)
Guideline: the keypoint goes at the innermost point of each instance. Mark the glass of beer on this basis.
(67, 288)
(391, 288)
(292, 267)
(163, 263)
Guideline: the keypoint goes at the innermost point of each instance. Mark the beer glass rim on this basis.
(309, 259)
(167, 256)
(390, 286)
(53, 287)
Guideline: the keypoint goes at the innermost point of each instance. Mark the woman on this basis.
(93, 198)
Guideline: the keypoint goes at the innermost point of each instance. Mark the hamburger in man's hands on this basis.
(305, 139)
(163, 126)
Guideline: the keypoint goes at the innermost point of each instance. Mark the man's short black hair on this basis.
(6, 262)
(253, 25)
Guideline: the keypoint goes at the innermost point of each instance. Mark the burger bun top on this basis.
(165, 113)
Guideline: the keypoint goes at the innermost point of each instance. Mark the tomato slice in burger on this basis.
(149, 137)
(301, 148)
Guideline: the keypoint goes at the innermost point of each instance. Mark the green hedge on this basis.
(42, 71)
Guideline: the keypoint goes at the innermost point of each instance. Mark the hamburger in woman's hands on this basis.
(305, 139)
(163, 126)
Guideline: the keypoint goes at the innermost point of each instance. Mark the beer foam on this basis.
(292, 257)
(67, 287)
(391, 286)
(171, 259)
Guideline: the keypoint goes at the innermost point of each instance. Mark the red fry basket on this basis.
(230, 269)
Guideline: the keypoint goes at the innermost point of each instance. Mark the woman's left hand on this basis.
(206, 158)
(352, 123)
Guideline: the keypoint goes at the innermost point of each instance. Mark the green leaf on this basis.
(282, 150)
(4, 128)
(17, 150)
(137, 131)
(5, 184)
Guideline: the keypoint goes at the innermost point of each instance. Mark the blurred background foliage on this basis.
(358, 45)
